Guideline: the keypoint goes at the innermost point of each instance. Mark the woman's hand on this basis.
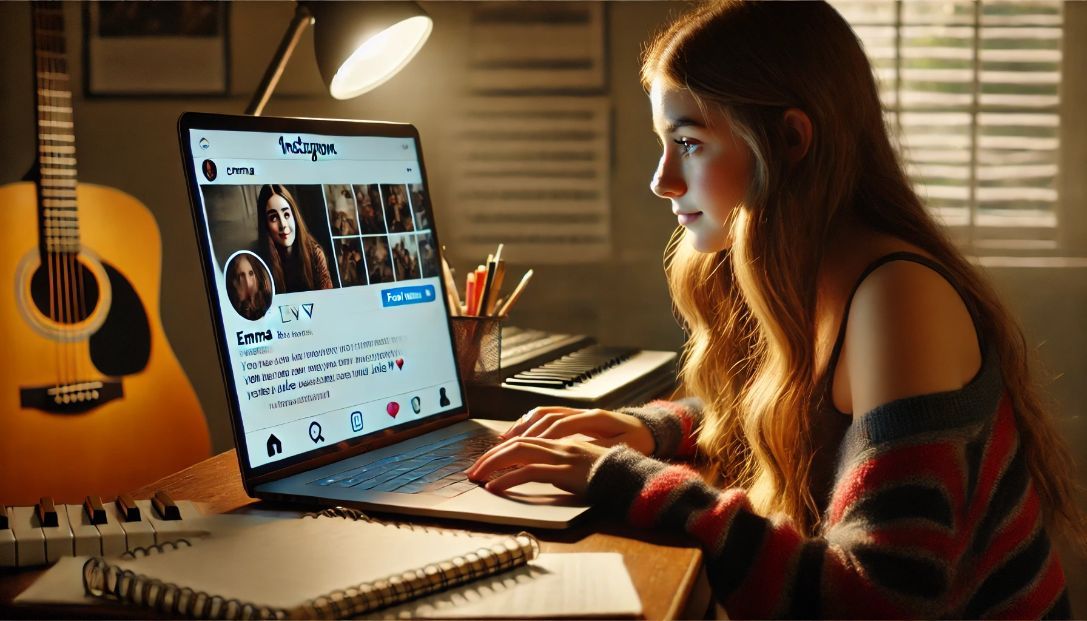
(562, 463)
(606, 428)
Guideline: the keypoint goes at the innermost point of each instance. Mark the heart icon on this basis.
(393, 408)
(400, 363)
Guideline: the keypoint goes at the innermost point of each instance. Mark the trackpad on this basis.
(542, 494)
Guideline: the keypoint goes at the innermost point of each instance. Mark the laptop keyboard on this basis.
(436, 468)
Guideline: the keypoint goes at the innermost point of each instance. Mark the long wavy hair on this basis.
(749, 312)
(304, 243)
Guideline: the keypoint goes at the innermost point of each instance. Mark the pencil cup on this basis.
(478, 342)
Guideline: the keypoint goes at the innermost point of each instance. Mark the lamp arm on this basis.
(302, 18)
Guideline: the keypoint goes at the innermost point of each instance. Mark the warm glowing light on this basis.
(380, 57)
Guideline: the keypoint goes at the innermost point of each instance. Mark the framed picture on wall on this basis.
(156, 48)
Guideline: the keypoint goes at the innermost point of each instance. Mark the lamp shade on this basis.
(360, 45)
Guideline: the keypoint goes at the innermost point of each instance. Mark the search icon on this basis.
(315, 432)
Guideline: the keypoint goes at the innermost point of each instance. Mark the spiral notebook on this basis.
(330, 565)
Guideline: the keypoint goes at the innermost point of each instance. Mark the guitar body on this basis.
(95, 402)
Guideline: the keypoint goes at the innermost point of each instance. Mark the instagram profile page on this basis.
(333, 311)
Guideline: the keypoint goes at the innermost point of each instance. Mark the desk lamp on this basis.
(359, 45)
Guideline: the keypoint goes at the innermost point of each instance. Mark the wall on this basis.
(1051, 302)
(132, 145)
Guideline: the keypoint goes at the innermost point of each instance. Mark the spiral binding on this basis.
(102, 579)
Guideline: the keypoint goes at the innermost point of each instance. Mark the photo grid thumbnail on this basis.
(381, 233)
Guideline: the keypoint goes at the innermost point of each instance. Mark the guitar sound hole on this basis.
(66, 291)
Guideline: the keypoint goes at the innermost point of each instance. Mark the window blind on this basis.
(972, 90)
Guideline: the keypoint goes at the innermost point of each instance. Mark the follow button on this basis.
(401, 296)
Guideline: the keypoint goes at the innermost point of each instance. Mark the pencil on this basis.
(516, 294)
(470, 293)
(454, 308)
(451, 286)
(477, 292)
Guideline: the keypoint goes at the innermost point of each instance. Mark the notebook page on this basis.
(60, 584)
(578, 585)
(287, 563)
(63, 582)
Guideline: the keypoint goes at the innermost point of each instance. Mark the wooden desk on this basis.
(666, 571)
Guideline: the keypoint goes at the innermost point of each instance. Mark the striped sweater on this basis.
(932, 515)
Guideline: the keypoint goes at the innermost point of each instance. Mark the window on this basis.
(972, 89)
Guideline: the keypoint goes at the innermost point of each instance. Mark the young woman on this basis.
(857, 388)
(297, 261)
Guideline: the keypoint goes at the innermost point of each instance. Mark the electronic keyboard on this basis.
(43, 533)
(542, 368)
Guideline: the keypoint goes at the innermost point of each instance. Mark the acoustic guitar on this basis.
(92, 398)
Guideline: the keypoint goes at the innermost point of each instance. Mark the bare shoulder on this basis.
(909, 333)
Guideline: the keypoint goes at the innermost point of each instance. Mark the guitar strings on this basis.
(78, 310)
(59, 240)
(61, 254)
(42, 64)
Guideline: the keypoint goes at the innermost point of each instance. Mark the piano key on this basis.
(188, 509)
(47, 511)
(614, 380)
(164, 506)
(29, 538)
(128, 508)
(172, 530)
(7, 547)
(7, 539)
(542, 371)
(138, 534)
(114, 541)
(59, 541)
(96, 513)
(87, 541)
(538, 383)
(527, 377)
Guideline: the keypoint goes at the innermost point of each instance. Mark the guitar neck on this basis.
(58, 222)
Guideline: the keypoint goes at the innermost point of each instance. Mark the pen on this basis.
(496, 286)
(486, 300)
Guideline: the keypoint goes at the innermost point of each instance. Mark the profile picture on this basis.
(248, 285)
(210, 171)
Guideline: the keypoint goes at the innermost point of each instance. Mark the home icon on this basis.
(274, 445)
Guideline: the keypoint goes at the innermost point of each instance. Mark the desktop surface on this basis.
(666, 571)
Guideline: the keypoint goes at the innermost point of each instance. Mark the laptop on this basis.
(320, 258)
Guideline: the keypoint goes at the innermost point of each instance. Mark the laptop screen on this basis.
(324, 273)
